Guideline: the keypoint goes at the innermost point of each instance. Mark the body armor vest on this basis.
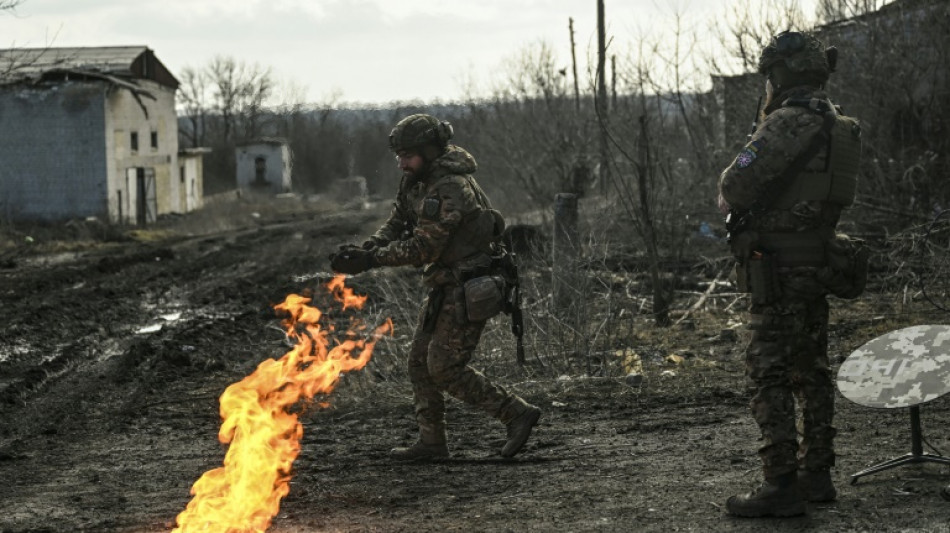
(834, 186)
(837, 182)
(479, 231)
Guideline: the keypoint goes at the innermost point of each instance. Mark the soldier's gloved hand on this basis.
(353, 261)
(344, 247)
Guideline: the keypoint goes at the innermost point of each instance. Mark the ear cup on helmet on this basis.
(419, 130)
(445, 132)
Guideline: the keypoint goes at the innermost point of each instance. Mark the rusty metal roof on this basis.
(19, 65)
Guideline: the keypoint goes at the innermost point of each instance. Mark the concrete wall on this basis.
(65, 150)
(126, 116)
(191, 181)
(52, 152)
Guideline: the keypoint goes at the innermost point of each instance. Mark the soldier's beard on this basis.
(415, 174)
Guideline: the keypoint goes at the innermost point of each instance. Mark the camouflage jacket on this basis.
(783, 134)
(437, 218)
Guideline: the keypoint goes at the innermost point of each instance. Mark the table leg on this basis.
(917, 454)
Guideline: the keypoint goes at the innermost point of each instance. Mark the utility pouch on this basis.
(762, 278)
(846, 273)
(484, 297)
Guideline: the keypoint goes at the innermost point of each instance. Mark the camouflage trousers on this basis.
(787, 361)
(442, 346)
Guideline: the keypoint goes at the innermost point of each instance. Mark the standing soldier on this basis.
(442, 219)
(784, 194)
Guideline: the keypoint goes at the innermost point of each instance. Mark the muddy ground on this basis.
(115, 346)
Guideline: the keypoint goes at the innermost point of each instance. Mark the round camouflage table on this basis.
(900, 369)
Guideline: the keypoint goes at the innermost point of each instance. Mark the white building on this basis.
(264, 165)
(89, 132)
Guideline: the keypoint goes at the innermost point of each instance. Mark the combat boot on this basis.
(776, 496)
(430, 446)
(420, 451)
(519, 429)
(816, 485)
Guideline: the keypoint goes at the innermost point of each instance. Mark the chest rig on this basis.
(829, 185)
(837, 181)
(478, 234)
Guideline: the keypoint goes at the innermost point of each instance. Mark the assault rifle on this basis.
(512, 304)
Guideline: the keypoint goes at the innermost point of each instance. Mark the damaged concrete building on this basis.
(91, 132)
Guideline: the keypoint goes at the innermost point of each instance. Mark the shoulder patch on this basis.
(431, 207)
(745, 158)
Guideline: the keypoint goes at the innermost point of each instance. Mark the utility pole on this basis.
(577, 90)
(613, 81)
(602, 97)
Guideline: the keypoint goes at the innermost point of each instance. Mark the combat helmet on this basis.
(419, 130)
(803, 54)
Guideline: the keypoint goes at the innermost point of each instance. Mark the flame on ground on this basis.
(244, 495)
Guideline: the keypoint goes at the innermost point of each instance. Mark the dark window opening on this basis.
(155, 140)
(260, 171)
(134, 141)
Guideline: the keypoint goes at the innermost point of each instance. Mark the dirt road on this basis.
(112, 359)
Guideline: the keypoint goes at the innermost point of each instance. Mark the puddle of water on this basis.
(167, 318)
(151, 328)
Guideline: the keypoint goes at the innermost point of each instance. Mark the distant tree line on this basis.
(538, 132)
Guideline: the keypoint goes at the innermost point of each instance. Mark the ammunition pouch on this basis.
(760, 255)
(840, 262)
(484, 297)
(484, 291)
(758, 275)
(846, 273)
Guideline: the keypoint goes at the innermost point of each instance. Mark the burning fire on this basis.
(244, 495)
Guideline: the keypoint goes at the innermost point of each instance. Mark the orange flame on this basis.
(244, 495)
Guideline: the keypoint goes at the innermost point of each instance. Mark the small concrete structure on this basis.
(264, 165)
(191, 177)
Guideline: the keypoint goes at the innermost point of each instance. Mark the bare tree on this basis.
(10, 5)
(749, 26)
(194, 101)
(829, 11)
(662, 140)
(530, 132)
(223, 103)
(239, 94)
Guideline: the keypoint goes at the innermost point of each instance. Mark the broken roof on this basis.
(31, 65)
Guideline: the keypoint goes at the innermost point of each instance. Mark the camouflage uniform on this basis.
(787, 356)
(443, 220)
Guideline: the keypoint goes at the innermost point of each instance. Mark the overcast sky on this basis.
(368, 51)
